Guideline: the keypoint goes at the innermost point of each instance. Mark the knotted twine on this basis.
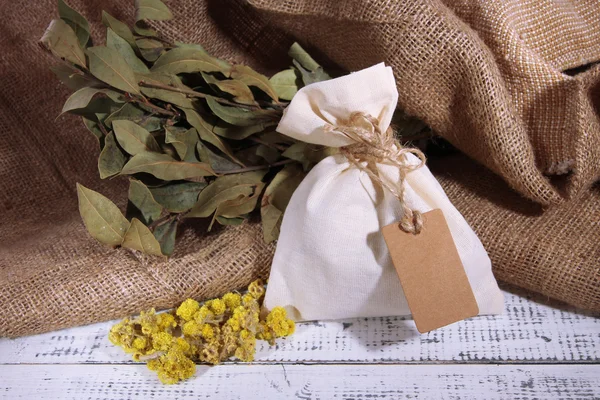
(374, 147)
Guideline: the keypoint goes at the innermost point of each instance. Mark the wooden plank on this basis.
(305, 382)
(529, 331)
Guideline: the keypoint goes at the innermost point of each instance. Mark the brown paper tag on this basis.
(432, 276)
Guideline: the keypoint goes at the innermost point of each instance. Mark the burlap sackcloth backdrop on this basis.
(486, 77)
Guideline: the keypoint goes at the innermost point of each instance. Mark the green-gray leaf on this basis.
(309, 77)
(165, 233)
(154, 10)
(239, 90)
(236, 115)
(184, 141)
(225, 188)
(111, 159)
(92, 126)
(276, 198)
(233, 132)
(186, 59)
(204, 129)
(139, 237)
(165, 167)
(150, 49)
(120, 45)
(140, 197)
(102, 218)
(61, 41)
(108, 66)
(131, 112)
(81, 98)
(72, 77)
(169, 96)
(178, 197)
(76, 21)
(119, 28)
(269, 154)
(286, 83)
(252, 78)
(303, 58)
(133, 138)
(217, 162)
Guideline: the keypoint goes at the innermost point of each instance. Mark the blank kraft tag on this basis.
(432, 276)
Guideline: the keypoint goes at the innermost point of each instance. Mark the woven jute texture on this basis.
(505, 82)
(52, 273)
(492, 77)
(555, 252)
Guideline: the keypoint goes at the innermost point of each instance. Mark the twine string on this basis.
(374, 147)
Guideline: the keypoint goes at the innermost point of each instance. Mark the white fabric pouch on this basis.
(331, 260)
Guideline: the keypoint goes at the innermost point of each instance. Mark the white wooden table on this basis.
(536, 350)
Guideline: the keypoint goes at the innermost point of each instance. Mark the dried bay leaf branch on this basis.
(195, 134)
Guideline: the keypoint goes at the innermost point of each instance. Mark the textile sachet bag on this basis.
(331, 260)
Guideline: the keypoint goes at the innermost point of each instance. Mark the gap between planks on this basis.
(305, 382)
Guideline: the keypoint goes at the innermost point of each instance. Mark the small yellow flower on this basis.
(208, 331)
(162, 341)
(140, 343)
(232, 300)
(256, 289)
(192, 328)
(187, 309)
(217, 306)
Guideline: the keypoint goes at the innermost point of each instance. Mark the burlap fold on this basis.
(489, 76)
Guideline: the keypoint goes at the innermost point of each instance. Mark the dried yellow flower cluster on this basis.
(210, 333)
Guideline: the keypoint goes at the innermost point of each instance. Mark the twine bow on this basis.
(374, 147)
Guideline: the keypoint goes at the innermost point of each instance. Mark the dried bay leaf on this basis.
(239, 90)
(240, 206)
(133, 138)
(230, 221)
(302, 57)
(111, 159)
(154, 10)
(72, 77)
(286, 84)
(147, 209)
(217, 162)
(191, 46)
(252, 78)
(110, 67)
(184, 141)
(60, 40)
(225, 188)
(81, 98)
(269, 154)
(120, 45)
(233, 132)
(178, 99)
(276, 198)
(92, 126)
(76, 21)
(297, 152)
(309, 77)
(131, 112)
(205, 132)
(236, 115)
(139, 237)
(165, 234)
(178, 197)
(163, 166)
(102, 218)
(186, 59)
(119, 28)
(150, 49)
